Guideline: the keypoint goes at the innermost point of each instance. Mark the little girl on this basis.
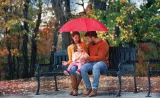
(79, 58)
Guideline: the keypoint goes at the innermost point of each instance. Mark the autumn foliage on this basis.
(44, 40)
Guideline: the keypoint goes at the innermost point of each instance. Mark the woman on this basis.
(75, 79)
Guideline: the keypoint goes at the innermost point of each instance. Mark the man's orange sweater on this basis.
(99, 52)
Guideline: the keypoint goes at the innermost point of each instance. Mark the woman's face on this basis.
(76, 39)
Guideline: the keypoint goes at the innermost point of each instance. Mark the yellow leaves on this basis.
(156, 18)
(3, 52)
(71, 32)
(100, 32)
(12, 21)
(124, 12)
(36, 38)
(7, 36)
(127, 34)
(7, 26)
(15, 52)
(123, 1)
(5, 3)
(1, 21)
(128, 26)
(120, 19)
(154, 37)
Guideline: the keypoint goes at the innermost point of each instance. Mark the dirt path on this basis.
(27, 86)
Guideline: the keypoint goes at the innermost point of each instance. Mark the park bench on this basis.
(122, 61)
(152, 70)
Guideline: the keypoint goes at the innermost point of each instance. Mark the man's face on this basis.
(88, 39)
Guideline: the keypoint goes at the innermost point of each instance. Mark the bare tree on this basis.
(62, 13)
(34, 43)
(25, 40)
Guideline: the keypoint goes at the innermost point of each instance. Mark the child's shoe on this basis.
(78, 72)
(66, 72)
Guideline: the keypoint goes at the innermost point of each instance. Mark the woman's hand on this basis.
(64, 63)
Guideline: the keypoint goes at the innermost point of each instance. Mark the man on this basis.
(98, 62)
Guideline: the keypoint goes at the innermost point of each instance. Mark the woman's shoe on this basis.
(71, 93)
(74, 93)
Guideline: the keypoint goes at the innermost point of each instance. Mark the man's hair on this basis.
(91, 34)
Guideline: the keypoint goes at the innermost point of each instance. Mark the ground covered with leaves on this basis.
(107, 83)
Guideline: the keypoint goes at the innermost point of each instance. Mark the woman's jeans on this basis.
(97, 69)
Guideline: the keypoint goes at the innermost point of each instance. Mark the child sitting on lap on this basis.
(79, 58)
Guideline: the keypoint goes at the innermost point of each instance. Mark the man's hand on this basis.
(64, 63)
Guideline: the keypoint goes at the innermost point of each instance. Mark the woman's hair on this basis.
(73, 34)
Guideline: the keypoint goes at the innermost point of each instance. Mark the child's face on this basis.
(80, 49)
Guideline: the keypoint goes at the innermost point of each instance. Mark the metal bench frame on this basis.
(122, 61)
(150, 71)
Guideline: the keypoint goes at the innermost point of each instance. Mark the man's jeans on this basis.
(97, 68)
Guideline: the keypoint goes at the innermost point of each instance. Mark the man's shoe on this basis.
(87, 92)
(93, 93)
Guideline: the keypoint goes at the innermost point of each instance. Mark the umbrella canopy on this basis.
(83, 25)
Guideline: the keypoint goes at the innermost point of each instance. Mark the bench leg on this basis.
(38, 82)
(55, 79)
(119, 80)
(135, 84)
(149, 84)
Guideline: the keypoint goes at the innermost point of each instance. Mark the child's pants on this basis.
(75, 64)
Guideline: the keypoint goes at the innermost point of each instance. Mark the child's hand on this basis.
(64, 63)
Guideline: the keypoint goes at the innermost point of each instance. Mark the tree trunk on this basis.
(99, 4)
(14, 67)
(8, 45)
(34, 43)
(62, 16)
(25, 41)
(17, 58)
(18, 65)
(10, 62)
(66, 36)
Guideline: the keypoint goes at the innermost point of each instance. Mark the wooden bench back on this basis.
(60, 56)
(116, 54)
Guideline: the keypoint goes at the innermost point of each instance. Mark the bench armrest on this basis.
(39, 67)
(43, 65)
(127, 65)
(151, 61)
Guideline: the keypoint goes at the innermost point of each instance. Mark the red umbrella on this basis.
(83, 25)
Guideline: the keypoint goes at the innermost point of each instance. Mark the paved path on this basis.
(101, 94)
